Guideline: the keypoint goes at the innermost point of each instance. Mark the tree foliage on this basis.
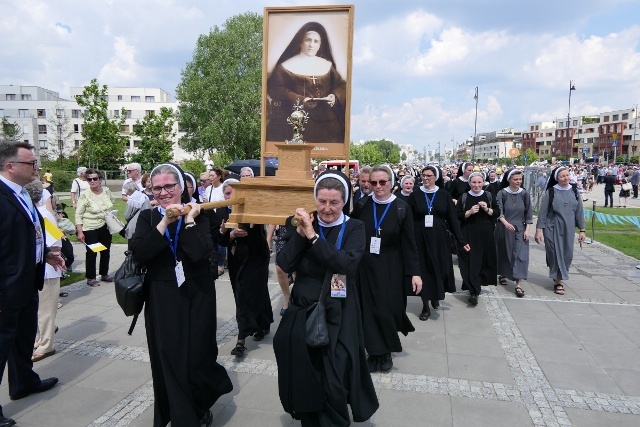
(156, 144)
(103, 146)
(389, 150)
(532, 156)
(220, 92)
(10, 131)
(375, 152)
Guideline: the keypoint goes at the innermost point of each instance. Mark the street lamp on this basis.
(475, 127)
(572, 87)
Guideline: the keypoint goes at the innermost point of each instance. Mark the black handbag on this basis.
(317, 334)
(129, 286)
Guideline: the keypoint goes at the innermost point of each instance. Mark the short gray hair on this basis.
(130, 187)
(135, 166)
(34, 189)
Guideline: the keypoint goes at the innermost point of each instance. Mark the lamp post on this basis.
(572, 87)
(635, 126)
(475, 127)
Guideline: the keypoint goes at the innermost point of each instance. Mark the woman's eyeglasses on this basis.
(382, 182)
(169, 188)
(93, 178)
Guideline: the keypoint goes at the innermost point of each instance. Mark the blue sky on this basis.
(415, 63)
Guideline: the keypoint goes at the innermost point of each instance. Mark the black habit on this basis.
(458, 187)
(317, 384)
(180, 321)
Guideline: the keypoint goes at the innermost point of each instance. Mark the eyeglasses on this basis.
(382, 182)
(131, 170)
(169, 188)
(93, 179)
(427, 176)
(204, 180)
(33, 164)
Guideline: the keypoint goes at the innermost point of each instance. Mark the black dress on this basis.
(381, 284)
(248, 259)
(180, 321)
(458, 187)
(434, 251)
(317, 384)
(479, 266)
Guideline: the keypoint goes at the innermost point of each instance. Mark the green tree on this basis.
(390, 151)
(156, 144)
(10, 131)
(403, 157)
(103, 146)
(221, 90)
(367, 154)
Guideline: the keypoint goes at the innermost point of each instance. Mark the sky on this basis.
(416, 63)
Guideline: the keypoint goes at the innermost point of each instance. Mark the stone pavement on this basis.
(543, 360)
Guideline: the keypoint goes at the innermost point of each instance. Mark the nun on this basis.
(460, 185)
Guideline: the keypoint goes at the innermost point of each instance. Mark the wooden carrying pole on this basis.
(205, 206)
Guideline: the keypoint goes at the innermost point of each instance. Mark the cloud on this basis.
(122, 66)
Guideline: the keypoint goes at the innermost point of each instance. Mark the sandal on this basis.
(558, 288)
(93, 283)
(503, 281)
(519, 292)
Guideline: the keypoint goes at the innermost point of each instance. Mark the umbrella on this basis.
(254, 165)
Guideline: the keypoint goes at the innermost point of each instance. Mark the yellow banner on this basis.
(52, 229)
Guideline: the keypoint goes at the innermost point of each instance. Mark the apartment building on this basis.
(490, 146)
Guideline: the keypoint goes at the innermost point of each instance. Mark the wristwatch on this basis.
(314, 238)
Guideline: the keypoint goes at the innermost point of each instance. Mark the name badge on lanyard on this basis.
(376, 241)
(338, 281)
(173, 245)
(428, 219)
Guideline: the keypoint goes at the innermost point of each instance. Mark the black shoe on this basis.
(372, 363)
(473, 299)
(435, 304)
(238, 351)
(259, 336)
(386, 363)
(424, 315)
(6, 422)
(207, 420)
(43, 386)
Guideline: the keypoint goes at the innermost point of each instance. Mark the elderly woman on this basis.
(249, 272)
(407, 183)
(136, 200)
(477, 211)
(318, 384)
(180, 304)
(560, 212)
(512, 230)
(391, 255)
(434, 215)
(246, 172)
(48, 296)
(78, 185)
(91, 226)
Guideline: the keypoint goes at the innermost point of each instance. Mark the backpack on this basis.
(488, 193)
(551, 194)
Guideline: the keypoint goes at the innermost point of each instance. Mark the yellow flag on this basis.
(52, 229)
(97, 247)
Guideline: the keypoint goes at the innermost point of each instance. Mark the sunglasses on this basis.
(93, 179)
(382, 182)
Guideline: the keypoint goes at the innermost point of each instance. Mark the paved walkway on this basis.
(544, 360)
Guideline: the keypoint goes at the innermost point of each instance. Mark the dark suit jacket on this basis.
(19, 276)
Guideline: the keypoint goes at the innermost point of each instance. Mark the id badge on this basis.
(428, 221)
(374, 247)
(179, 273)
(339, 286)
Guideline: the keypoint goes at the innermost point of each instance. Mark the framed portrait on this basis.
(307, 65)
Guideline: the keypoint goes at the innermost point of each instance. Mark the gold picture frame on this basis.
(318, 81)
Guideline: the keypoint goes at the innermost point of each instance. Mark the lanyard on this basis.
(31, 209)
(173, 244)
(340, 235)
(430, 203)
(377, 223)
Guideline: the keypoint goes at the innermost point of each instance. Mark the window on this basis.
(148, 99)
(26, 97)
(135, 98)
(77, 143)
(124, 128)
(116, 113)
(75, 114)
(42, 129)
(575, 122)
(625, 116)
(42, 114)
(127, 114)
(76, 128)
(536, 127)
(43, 144)
(1, 112)
(149, 113)
(10, 97)
(531, 127)
(615, 117)
(23, 113)
(25, 129)
(605, 119)
(136, 143)
(59, 113)
(119, 97)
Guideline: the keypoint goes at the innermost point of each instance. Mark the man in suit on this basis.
(635, 180)
(364, 187)
(22, 255)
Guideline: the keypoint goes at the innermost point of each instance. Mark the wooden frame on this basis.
(279, 84)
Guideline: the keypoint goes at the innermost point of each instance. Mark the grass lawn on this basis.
(625, 238)
(71, 279)
(118, 204)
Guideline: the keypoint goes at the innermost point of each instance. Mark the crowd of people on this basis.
(376, 238)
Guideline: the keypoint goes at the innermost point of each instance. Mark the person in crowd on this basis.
(192, 187)
(407, 183)
(48, 179)
(78, 185)
(48, 296)
(477, 212)
(134, 174)
(512, 230)
(623, 194)
(493, 183)
(609, 187)
(146, 184)
(91, 225)
(180, 304)
(23, 248)
(213, 193)
(317, 385)
(635, 180)
(284, 280)
(364, 186)
(246, 172)
(434, 214)
(136, 201)
(248, 272)
(391, 256)
(460, 185)
(306, 74)
(560, 212)
(205, 181)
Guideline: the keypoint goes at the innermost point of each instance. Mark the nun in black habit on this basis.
(460, 185)
(317, 385)
(180, 305)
